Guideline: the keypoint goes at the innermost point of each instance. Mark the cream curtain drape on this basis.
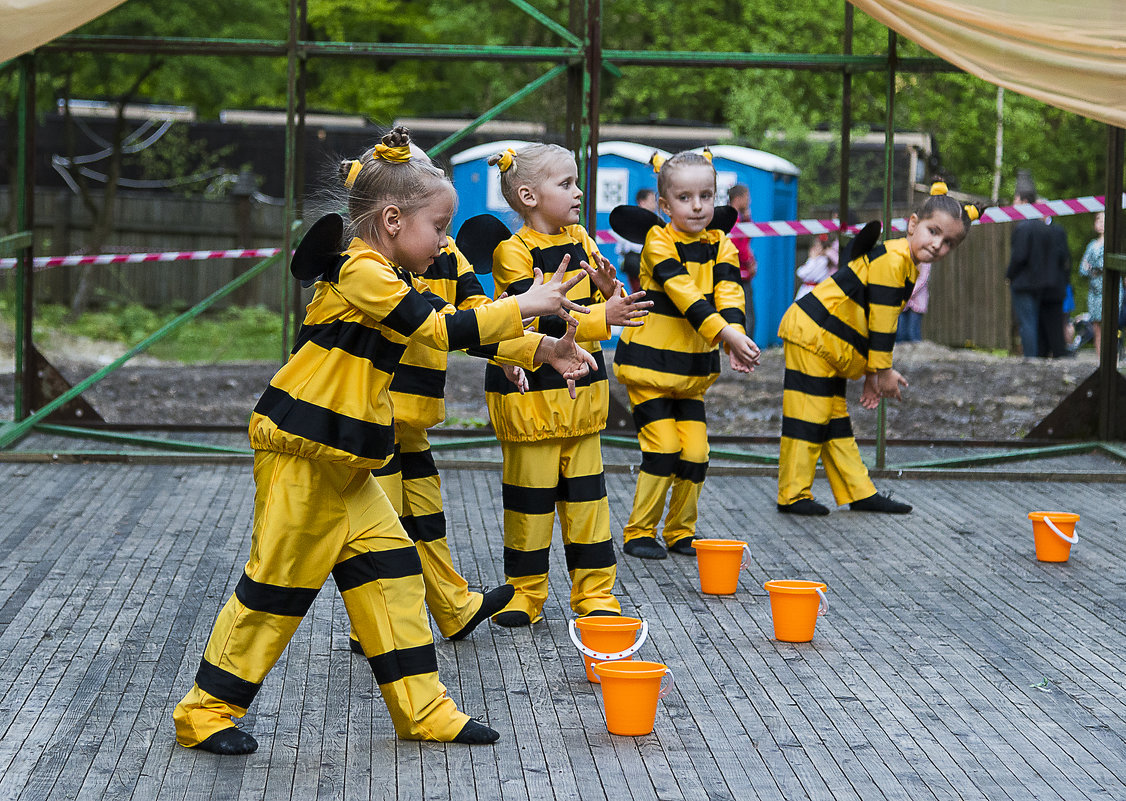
(30, 23)
(1067, 54)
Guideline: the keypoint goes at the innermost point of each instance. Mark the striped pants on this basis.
(673, 434)
(539, 479)
(414, 488)
(815, 425)
(311, 519)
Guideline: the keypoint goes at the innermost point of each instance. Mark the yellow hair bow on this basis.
(353, 174)
(656, 160)
(707, 153)
(971, 212)
(506, 159)
(397, 154)
(938, 188)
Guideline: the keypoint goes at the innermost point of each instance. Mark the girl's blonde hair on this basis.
(527, 166)
(387, 175)
(685, 158)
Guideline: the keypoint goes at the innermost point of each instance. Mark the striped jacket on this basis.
(331, 400)
(418, 387)
(693, 281)
(546, 411)
(850, 318)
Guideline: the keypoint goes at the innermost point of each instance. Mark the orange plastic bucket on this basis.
(1054, 533)
(795, 606)
(719, 562)
(607, 639)
(630, 691)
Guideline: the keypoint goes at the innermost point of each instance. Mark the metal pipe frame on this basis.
(582, 57)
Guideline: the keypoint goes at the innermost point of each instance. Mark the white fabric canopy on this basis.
(1071, 55)
(26, 24)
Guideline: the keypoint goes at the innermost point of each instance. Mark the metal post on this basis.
(889, 152)
(574, 138)
(25, 220)
(593, 86)
(846, 121)
(297, 310)
(1112, 243)
(290, 178)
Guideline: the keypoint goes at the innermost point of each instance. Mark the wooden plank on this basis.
(924, 681)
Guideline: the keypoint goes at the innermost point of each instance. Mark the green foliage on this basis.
(231, 334)
(186, 165)
(766, 108)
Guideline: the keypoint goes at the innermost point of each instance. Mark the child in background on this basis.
(845, 328)
(911, 318)
(551, 445)
(411, 478)
(321, 427)
(821, 263)
(691, 273)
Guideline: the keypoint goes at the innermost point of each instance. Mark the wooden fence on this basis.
(969, 299)
(150, 223)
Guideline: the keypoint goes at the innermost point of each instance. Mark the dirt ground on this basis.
(953, 393)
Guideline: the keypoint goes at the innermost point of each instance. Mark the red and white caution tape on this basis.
(46, 262)
(993, 214)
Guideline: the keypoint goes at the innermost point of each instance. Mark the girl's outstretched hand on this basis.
(550, 297)
(889, 382)
(870, 394)
(743, 351)
(604, 276)
(517, 376)
(627, 310)
(568, 358)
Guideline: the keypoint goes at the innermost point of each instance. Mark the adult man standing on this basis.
(1038, 272)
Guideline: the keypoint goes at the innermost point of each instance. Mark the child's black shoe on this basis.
(645, 548)
(804, 506)
(512, 620)
(880, 503)
(683, 546)
(475, 733)
(229, 742)
(495, 599)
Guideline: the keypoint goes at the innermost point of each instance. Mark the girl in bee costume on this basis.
(844, 329)
(691, 273)
(321, 427)
(550, 436)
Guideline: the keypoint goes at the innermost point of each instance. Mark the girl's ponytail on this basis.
(939, 200)
(386, 175)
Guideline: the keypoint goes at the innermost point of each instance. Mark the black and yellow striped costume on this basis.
(551, 444)
(411, 479)
(668, 364)
(841, 330)
(320, 428)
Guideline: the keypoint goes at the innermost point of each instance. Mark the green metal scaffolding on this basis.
(580, 59)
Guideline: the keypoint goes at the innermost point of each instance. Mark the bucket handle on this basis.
(745, 563)
(666, 688)
(1073, 538)
(612, 657)
(823, 605)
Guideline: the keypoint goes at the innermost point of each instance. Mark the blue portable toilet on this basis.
(623, 169)
(773, 185)
(478, 190)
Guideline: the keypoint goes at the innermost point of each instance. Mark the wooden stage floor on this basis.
(952, 664)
